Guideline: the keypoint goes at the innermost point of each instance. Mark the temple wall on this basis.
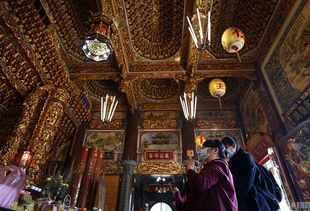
(286, 71)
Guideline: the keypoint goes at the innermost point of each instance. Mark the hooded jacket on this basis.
(210, 190)
(244, 171)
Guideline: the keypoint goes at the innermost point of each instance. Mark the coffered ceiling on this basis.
(154, 57)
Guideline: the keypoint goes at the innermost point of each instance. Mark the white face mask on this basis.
(204, 154)
(230, 152)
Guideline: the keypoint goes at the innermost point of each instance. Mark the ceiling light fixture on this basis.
(97, 45)
(189, 104)
(201, 20)
(108, 106)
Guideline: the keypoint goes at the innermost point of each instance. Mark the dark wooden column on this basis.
(188, 138)
(76, 145)
(240, 123)
(131, 137)
(128, 162)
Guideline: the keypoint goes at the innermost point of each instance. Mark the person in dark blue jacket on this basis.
(245, 176)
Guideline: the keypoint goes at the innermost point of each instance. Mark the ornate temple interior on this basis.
(102, 100)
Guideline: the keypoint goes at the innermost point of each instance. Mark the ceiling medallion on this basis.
(97, 45)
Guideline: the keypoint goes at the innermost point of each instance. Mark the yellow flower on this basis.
(48, 179)
(64, 184)
(60, 177)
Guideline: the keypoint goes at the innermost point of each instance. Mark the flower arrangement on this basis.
(56, 187)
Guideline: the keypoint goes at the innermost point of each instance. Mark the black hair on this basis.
(229, 140)
(216, 144)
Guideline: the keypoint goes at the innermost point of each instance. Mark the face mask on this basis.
(204, 154)
(230, 154)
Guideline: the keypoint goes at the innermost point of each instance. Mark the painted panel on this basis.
(253, 114)
(107, 140)
(288, 68)
(159, 140)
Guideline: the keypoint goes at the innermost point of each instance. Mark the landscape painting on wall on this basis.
(159, 140)
(288, 68)
(107, 140)
(253, 114)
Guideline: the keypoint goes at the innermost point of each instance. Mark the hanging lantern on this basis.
(217, 89)
(233, 40)
(199, 140)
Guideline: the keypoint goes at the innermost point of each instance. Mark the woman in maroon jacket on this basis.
(212, 188)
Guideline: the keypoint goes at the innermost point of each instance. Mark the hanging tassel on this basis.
(220, 103)
(238, 56)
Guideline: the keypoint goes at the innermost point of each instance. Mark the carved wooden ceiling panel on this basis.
(101, 88)
(153, 52)
(155, 27)
(159, 89)
(250, 16)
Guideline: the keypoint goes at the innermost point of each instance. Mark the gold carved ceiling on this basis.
(154, 57)
(155, 27)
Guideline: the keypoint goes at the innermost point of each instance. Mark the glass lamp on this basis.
(97, 45)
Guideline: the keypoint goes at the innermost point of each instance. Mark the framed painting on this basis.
(219, 134)
(106, 140)
(159, 140)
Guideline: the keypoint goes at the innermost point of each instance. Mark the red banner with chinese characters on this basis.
(158, 155)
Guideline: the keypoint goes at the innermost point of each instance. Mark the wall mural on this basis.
(107, 140)
(159, 140)
(288, 68)
(256, 121)
(253, 114)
